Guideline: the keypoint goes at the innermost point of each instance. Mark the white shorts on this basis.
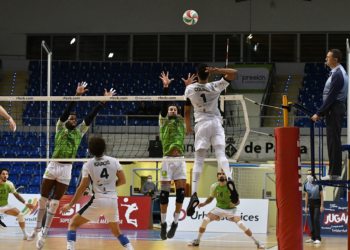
(208, 133)
(3, 209)
(173, 170)
(100, 206)
(222, 213)
(59, 172)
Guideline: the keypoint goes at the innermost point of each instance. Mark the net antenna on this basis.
(48, 108)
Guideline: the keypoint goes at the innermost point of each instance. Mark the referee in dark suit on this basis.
(333, 108)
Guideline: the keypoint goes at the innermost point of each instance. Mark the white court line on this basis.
(240, 241)
(273, 248)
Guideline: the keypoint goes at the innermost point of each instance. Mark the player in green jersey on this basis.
(58, 173)
(172, 131)
(7, 187)
(224, 208)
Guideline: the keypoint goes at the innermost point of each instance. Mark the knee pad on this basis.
(20, 217)
(164, 197)
(205, 222)
(180, 195)
(53, 206)
(42, 202)
(242, 226)
(199, 160)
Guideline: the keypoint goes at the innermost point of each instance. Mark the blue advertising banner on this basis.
(334, 219)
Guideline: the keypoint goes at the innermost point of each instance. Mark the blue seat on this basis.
(156, 67)
(33, 189)
(38, 172)
(75, 173)
(13, 178)
(73, 182)
(71, 190)
(26, 172)
(36, 181)
(15, 171)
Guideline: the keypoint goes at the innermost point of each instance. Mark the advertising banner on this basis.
(254, 213)
(133, 212)
(334, 219)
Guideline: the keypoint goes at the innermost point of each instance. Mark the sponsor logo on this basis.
(99, 183)
(143, 98)
(24, 98)
(336, 218)
(131, 208)
(118, 98)
(33, 212)
(166, 98)
(71, 98)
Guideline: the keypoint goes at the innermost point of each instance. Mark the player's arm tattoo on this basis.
(209, 200)
(19, 198)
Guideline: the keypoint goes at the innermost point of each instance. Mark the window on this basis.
(221, 48)
(91, 48)
(145, 48)
(200, 48)
(312, 47)
(338, 41)
(64, 47)
(119, 46)
(34, 47)
(172, 48)
(256, 49)
(283, 47)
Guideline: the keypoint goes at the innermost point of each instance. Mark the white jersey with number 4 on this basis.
(204, 98)
(103, 171)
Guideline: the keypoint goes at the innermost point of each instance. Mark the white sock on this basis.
(176, 218)
(24, 230)
(254, 239)
(163, 218)
(195, 182)
(71, 245)
(199, 236)
(128, 246)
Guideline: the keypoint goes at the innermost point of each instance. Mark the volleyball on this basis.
(190, 17)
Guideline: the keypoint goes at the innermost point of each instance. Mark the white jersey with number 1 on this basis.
(204, 98)
(103, 171)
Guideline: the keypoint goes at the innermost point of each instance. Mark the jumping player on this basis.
(58, 174)
(5, 188)
(105, 198)
(224, 208)
(204, 97)
(172, 131)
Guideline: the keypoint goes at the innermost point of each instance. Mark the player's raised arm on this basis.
(230, 74)
(80, 190)
(190, 79)
(166, 81)
(8, 117)
(90, 117)
(188, 119)
(80, 91)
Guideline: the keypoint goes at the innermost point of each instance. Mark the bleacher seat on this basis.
(71, 190)
(33, 189)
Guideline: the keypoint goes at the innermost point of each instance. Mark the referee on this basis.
(314, 201)
(333, 108)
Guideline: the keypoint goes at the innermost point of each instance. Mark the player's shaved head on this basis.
(71, 123)
(97, 146)
(201, 71)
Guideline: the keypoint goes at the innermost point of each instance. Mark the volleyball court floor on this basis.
(96, 239)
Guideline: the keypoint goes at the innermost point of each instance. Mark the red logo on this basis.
(182, 217)
(169, 124)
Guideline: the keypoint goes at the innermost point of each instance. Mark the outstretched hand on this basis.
(165, 79)
(65, 209)
(110, 93)
(188, 131)
(81, 88)
(12, 125)
(190, 79)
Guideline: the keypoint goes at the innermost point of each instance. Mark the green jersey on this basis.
(4, 192)
(222, 195)
(172, 133)
(67, 141)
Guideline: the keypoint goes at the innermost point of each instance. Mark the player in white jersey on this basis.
(102, 171)
(204, 97)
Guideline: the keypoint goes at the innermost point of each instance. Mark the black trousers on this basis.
(314, 207)
(334, 117)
